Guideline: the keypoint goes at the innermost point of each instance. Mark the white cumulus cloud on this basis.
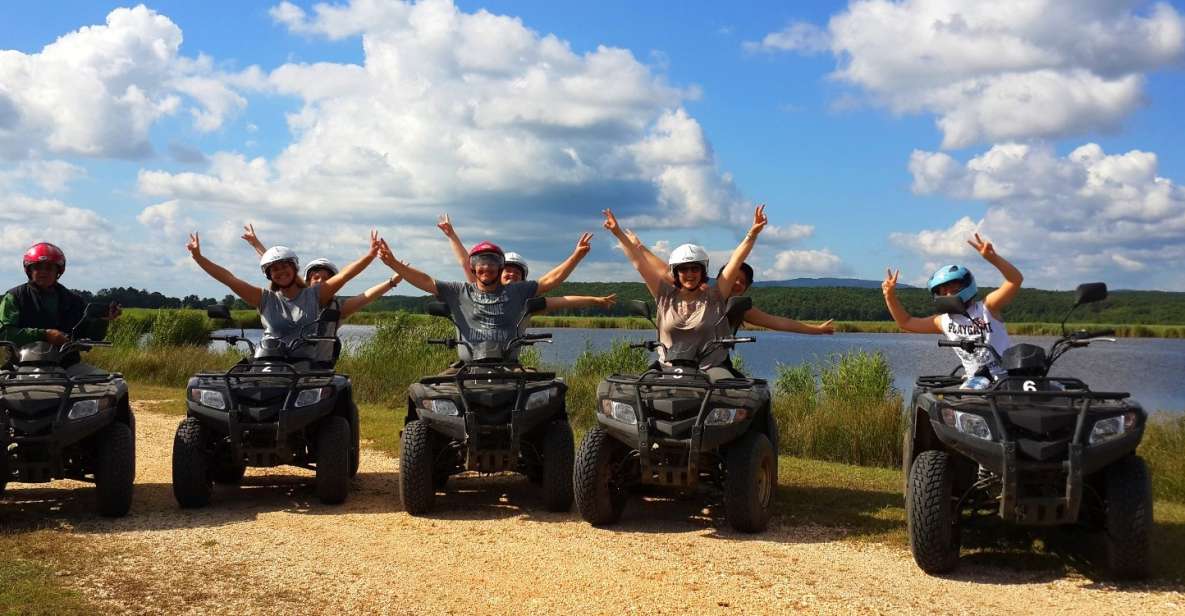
(798, 263)
(999, 71)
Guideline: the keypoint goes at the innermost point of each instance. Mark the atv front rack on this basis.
(662, 474)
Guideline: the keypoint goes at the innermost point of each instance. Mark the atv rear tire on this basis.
(333, 460)
(930, 513)
(115, 470)
(416, 461)
(598, 497)
(750, 482)
(1128, 523)
(225, 471)
(191, 465)
(558, 449)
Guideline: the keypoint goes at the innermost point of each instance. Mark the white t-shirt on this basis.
(982, 323)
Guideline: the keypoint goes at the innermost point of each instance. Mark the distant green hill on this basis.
(863, 304)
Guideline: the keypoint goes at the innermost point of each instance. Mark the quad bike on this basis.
(674, 426)
(488, 414)
(271, 409)
(1030, 449)
(58, 425)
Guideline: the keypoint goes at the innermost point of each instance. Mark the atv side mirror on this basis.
(1090, 292)
(536, 304)
(641, 308)
(950, 304)
(438, 309)
(329, 315)
(218, 311)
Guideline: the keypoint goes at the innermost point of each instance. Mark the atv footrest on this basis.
(491, 460)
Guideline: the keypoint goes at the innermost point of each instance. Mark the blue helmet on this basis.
(948, 273)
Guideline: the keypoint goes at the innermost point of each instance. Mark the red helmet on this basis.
(42, 252)
(487, 247)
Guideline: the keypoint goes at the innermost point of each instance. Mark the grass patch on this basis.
(1163, 448)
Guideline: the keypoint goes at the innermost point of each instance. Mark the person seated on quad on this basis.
(742, 284)
(320, 270)
(487, 310)
(982, 321)
(515, 269)
(288, 307)
(42, 310)
(689, 312)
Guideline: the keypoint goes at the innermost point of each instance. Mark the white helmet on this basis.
(688, 253)
(322, 263)
(513, 258)
(276, 254)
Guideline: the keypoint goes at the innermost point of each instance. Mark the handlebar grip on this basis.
(950, 343)
(536, 336)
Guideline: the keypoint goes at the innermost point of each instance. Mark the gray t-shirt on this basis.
(286, 319)
(486, 317)
(686, 322)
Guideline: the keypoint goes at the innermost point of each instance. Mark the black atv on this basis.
(271, 409)
(673, 426)
(1030, 449)
(57, 426)
(492, 415)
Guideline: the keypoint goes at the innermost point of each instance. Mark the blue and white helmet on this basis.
(949, 273)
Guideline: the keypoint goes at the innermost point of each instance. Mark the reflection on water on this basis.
(1151, 369)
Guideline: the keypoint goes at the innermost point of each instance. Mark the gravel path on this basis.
(269, 547)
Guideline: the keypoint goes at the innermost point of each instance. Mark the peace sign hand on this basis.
(375, 245)
(759, 221)
(888, 287)
(983, 247)
(584, 244)
(610, 221)
(194, 246)
(445, 225)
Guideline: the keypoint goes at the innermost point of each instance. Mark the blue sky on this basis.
(870, 151)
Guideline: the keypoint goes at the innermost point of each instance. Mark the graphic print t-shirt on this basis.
(982, 323)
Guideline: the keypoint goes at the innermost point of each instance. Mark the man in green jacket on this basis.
(42, 310)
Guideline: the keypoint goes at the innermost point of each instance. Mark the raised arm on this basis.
(552, 279)
(999, 299)
(415, 277)
(358, 302)
(652, 279)
(729, 274)
(652, 260)
(760, 318)
(459, 251)
(906, 321)
(330, 287)
(580, 301)
(252, 239)
(249, 293)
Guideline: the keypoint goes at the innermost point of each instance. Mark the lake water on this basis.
(1152, 369)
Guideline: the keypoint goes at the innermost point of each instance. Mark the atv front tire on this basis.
(558, 449)
(598, 496)
(416, 461)
(749, 482)
(1128, 523)
(115, 470)
(333, 460)
(191, 465)
(930, 513)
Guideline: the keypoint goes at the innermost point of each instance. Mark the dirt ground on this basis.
(269, 547)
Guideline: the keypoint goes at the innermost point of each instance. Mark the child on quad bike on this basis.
(981, 320)
(289, 305)
(44, 310)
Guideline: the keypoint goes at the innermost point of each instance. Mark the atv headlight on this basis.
(620, 411)
(1111, 427)
(83, 409)
(442, 406)
(724, 416)
(539, 399)
(208, 397)
(967, 423)
(308, 397)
